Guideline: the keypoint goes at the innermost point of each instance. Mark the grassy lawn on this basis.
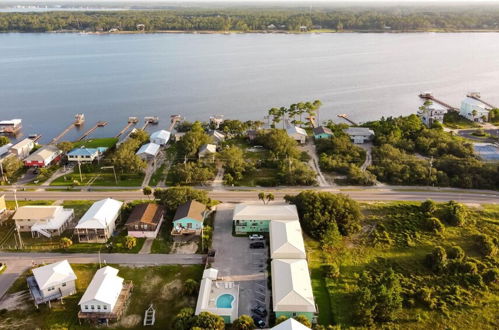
(163, 242)
(101, 179)
(160, 285)
(265, 177)
(94, 143)
(157, 176)
(453, 120)
(405, 254)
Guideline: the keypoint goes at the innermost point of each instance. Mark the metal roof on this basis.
(105, 287)
(290, 324)
(100, 214)
(151, 149)
(161, 134)
(286, 240)
(265, 212)
(54, 274)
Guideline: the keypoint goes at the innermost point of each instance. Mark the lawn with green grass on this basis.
(164, 241)
(391, 237)
(100, 179)
(95, 143)
(452, 119)
(161, 286)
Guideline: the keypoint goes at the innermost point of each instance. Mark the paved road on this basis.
(17, 263)
(384, 193)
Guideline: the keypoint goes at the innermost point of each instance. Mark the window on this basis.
(98, 307)
(51, 288)
(93, 307)
(86, 306)
(63, 284)
(105, 307)
(294, 314)
(136, 226)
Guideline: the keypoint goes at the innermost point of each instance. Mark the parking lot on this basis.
(237, 262)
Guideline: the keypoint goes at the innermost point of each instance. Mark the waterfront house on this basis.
(145, 220)
(10, 126)
(160, 137)
(43, 220)
(249, 218)
(51, 282)
(189, 218)
(359, 135)
(322, 132)
(98, 223)
(148, 151)
(5, 150)
(85, 155)
(474, 110)
(45, 156)
(22, 149)
(178, 136)
(290, 324)
(106, 296)
(292, 289)
(430, 115)
(217, 296)
(216, 120)
(286, 240)
(216, 136)
(297, 133)
(207, 150)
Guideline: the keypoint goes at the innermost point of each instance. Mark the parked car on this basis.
(255, 237)
(260, 311)
(259, 322)
(257, 245)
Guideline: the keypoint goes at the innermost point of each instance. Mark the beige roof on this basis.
(44, 153)
(286, 240)
(22, 144)
(290, 324)
(291, 286)
(265, 212)
(36, 212)
(53, 274)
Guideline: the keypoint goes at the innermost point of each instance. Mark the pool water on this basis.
(225, 301)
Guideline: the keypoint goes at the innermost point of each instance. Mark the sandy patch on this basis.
(149, 284)
(15, 301)
(185, 248)
(170, 290)
(129, 321)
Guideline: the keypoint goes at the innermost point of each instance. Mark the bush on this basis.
(433, 224)
(428, 207)
(331, 270)
(491, 276)
(486, 245)
(437, 259)
(456, 253)
(455, 214)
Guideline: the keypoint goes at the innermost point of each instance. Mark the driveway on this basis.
(237, 262)
(309, 147)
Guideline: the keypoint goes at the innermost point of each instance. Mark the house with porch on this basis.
(52, 282)
(22, 149)
(256, 218)
(47, 221)
(292, 288)
(286, 240)
(322, 132)
(474, 110)
(98, 223)
(106, 297)
(359, 135)
(148, 151)
(189, 218)
(145, 220)
(85, 155)
(160, 137)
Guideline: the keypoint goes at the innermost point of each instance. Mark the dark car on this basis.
(259, 322)
(257, 245)
(260, 311)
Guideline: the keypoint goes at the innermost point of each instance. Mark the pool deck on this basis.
(219, 288)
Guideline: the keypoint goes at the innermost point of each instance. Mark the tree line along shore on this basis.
(258, 20)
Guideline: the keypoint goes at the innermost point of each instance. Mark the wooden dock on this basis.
(93, 128)
(174, 119)
(344, 116)
(79, 120)
(476, 96)
(150, 120)
(429, 96)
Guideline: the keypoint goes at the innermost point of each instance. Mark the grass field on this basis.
(94, 143)
(160, 285)
(101, 179)
(453, 120)
(163, 243)
(405, 252)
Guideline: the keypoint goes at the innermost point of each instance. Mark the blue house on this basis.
(322, 132)
(189, 218)
(85, 154)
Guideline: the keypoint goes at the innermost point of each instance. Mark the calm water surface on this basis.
(46, 78)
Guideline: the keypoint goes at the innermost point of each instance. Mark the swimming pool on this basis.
(225, 301)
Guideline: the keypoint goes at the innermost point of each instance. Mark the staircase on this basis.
(41, 231)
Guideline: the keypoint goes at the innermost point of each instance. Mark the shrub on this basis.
(428, 207)
(437, 259)
(434, 224)
(486, 245)
(456, 253)
(455, 214)
(130, 242)
(331, 270)
(491, 276)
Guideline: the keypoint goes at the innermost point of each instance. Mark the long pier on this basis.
(174, 119)
(476, 96)
(93, 128)
(429, 96)
(61, 135)
(344, 116)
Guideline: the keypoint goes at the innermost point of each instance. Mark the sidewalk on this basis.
(146, 248)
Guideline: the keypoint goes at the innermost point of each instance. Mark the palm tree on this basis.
(270, 197)
(261, 196)
(282, 114)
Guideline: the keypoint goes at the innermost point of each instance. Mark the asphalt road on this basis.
(385, 193)
(18, 263)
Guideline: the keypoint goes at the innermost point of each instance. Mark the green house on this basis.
(189, 218)
(256, 218)
(322, 132)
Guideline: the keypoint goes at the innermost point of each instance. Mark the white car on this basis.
(255, 237)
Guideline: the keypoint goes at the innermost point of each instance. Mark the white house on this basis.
(286, 240)
(297, 133)
(51, 282)
(290, 324)
(207, 150)
(473, 110)
(98, 223)
(148, 151)
(250, 218)
(359, 135)
(103, 292)
(43, 220)
(85, 155)
(216, 136)
(291, 288)
(160, 137)
(429, 115)
(22, 149)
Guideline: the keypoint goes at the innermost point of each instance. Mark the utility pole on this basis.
(79, 168)
(430, 168)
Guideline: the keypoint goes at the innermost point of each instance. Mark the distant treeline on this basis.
(388, 19)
